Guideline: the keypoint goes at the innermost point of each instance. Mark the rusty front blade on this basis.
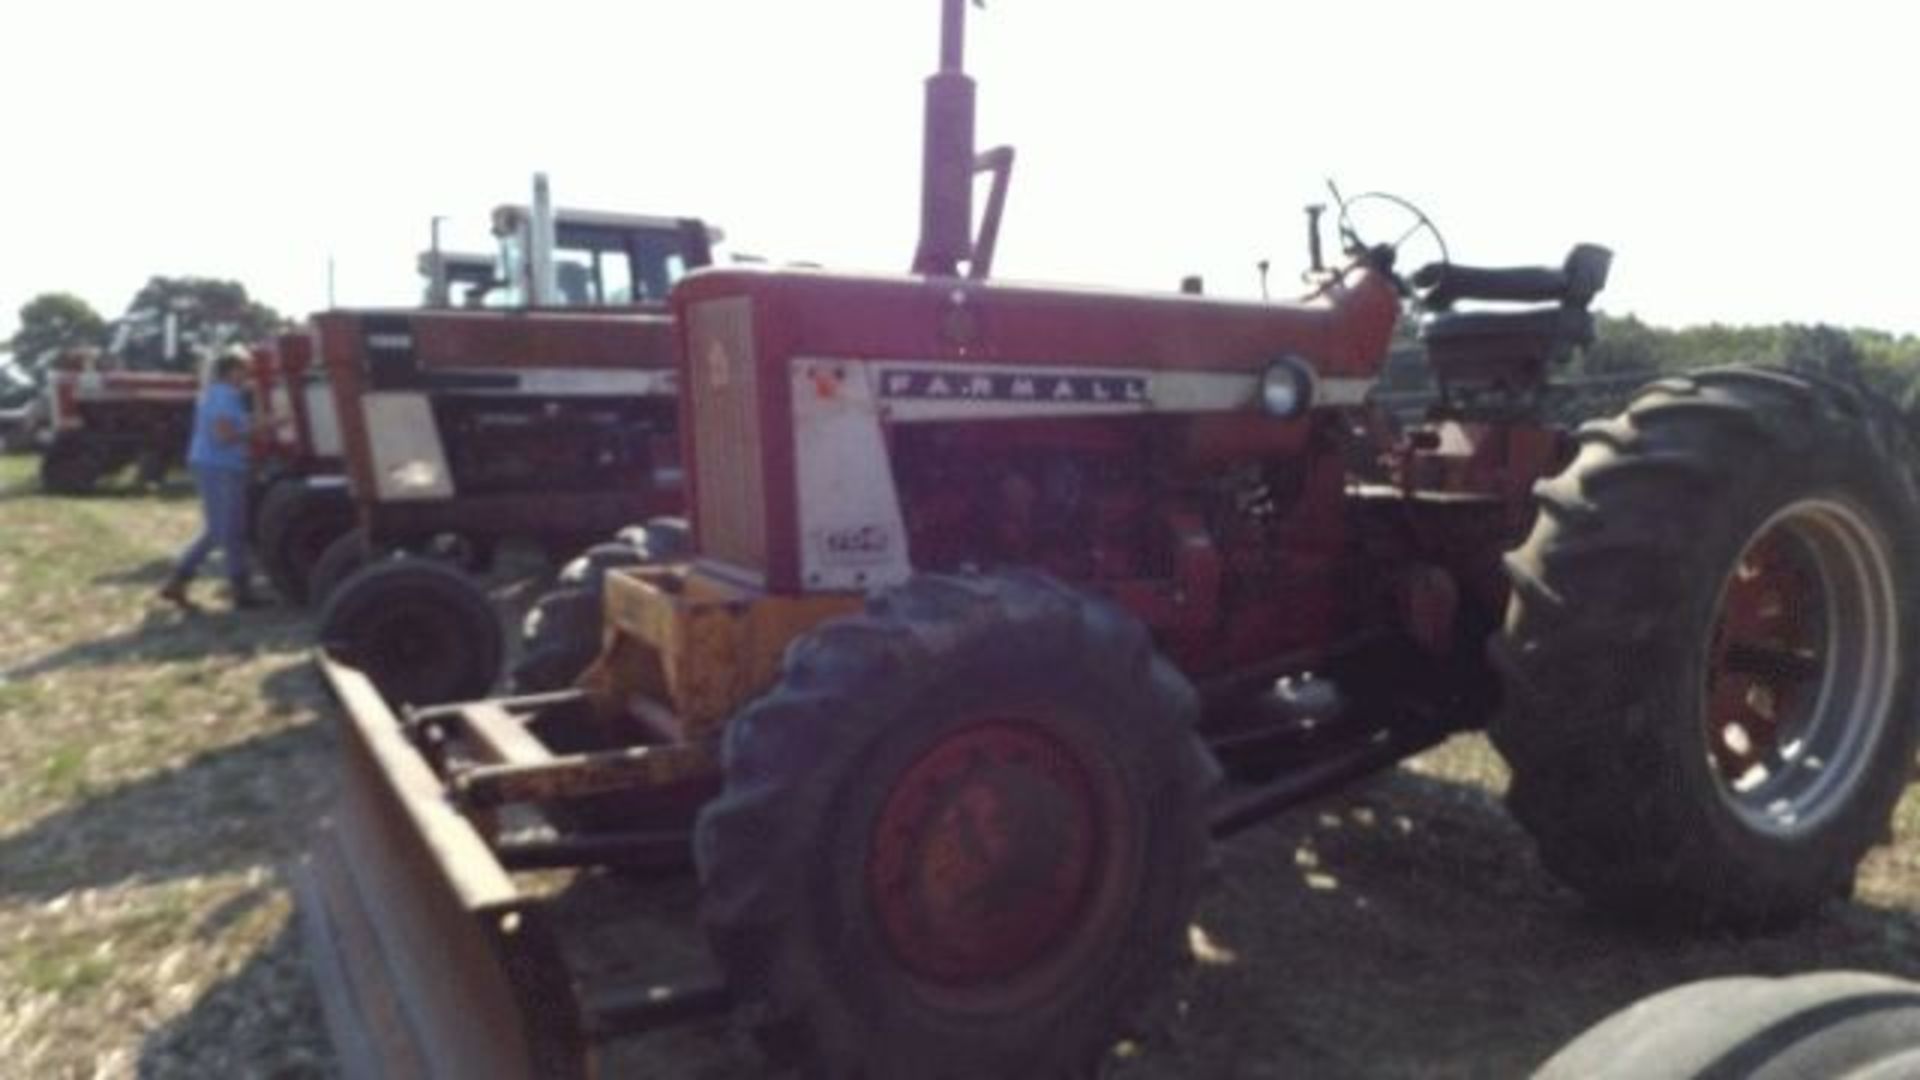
(429, 959)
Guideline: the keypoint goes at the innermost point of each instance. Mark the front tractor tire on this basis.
(1710, 650)
(423, 632)
(297, 522)
(963, 835)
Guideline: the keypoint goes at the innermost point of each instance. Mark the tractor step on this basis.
(1239, 807)
(1295, 711)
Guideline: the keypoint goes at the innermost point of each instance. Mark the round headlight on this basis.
(1286, 389)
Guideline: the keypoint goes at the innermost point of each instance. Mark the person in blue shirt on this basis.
(218, 456)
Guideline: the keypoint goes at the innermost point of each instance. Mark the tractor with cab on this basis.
(541, 409)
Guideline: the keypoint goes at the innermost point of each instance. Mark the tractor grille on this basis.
(721, 379)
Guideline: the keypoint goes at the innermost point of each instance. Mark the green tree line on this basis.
(1625, 345)
(1601, 379)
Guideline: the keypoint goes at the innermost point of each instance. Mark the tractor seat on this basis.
(1545, 325)
(1573, 284)
(1534, 333)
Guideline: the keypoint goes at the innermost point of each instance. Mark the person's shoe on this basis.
(175, 592)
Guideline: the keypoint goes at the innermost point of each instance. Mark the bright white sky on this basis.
(1747, 162)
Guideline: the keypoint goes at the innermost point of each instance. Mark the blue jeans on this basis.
(223, 506)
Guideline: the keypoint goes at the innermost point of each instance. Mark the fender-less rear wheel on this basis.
(297, 522)
(342, 558)
(423, 632)
(1709, 650)
(260, 488)
(71, 465)
(561, 633)
(155, 460)
(662, 539)
(961, 837)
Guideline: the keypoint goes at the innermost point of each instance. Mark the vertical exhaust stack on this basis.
(544, 290)
(946, 178)
(439, 290)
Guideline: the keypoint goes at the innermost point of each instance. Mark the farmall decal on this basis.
(860, 545)
(1019, 387)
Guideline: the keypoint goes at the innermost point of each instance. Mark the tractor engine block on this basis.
(509, 444)
(1225, 560)
(1062, 499)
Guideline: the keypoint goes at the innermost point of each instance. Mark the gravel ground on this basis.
(162, 770)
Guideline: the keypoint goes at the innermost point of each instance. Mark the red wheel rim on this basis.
(1767, 655)
(985, 854)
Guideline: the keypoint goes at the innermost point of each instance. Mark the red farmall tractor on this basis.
(1008, 600)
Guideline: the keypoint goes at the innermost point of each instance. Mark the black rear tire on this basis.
(343, 557)
(561, 633)
(469, 552)
(423, 632)
(560, 637)
(1708, 651)
(297, 522)
(259, 488)
(588, 570)
(549, 667)
(661, 539)
(1026, 730)
(1828, 1023)
(154, 463)
(71, 465)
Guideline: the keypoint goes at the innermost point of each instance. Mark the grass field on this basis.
(160, 770)
(157, 772)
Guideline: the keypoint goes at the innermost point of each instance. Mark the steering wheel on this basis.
(1373, 214)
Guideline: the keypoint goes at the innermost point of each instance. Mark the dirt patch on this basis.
(162, 770)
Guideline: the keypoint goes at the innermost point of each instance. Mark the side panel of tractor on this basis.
(541, 408)
(504, 423)
(1107, 439)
